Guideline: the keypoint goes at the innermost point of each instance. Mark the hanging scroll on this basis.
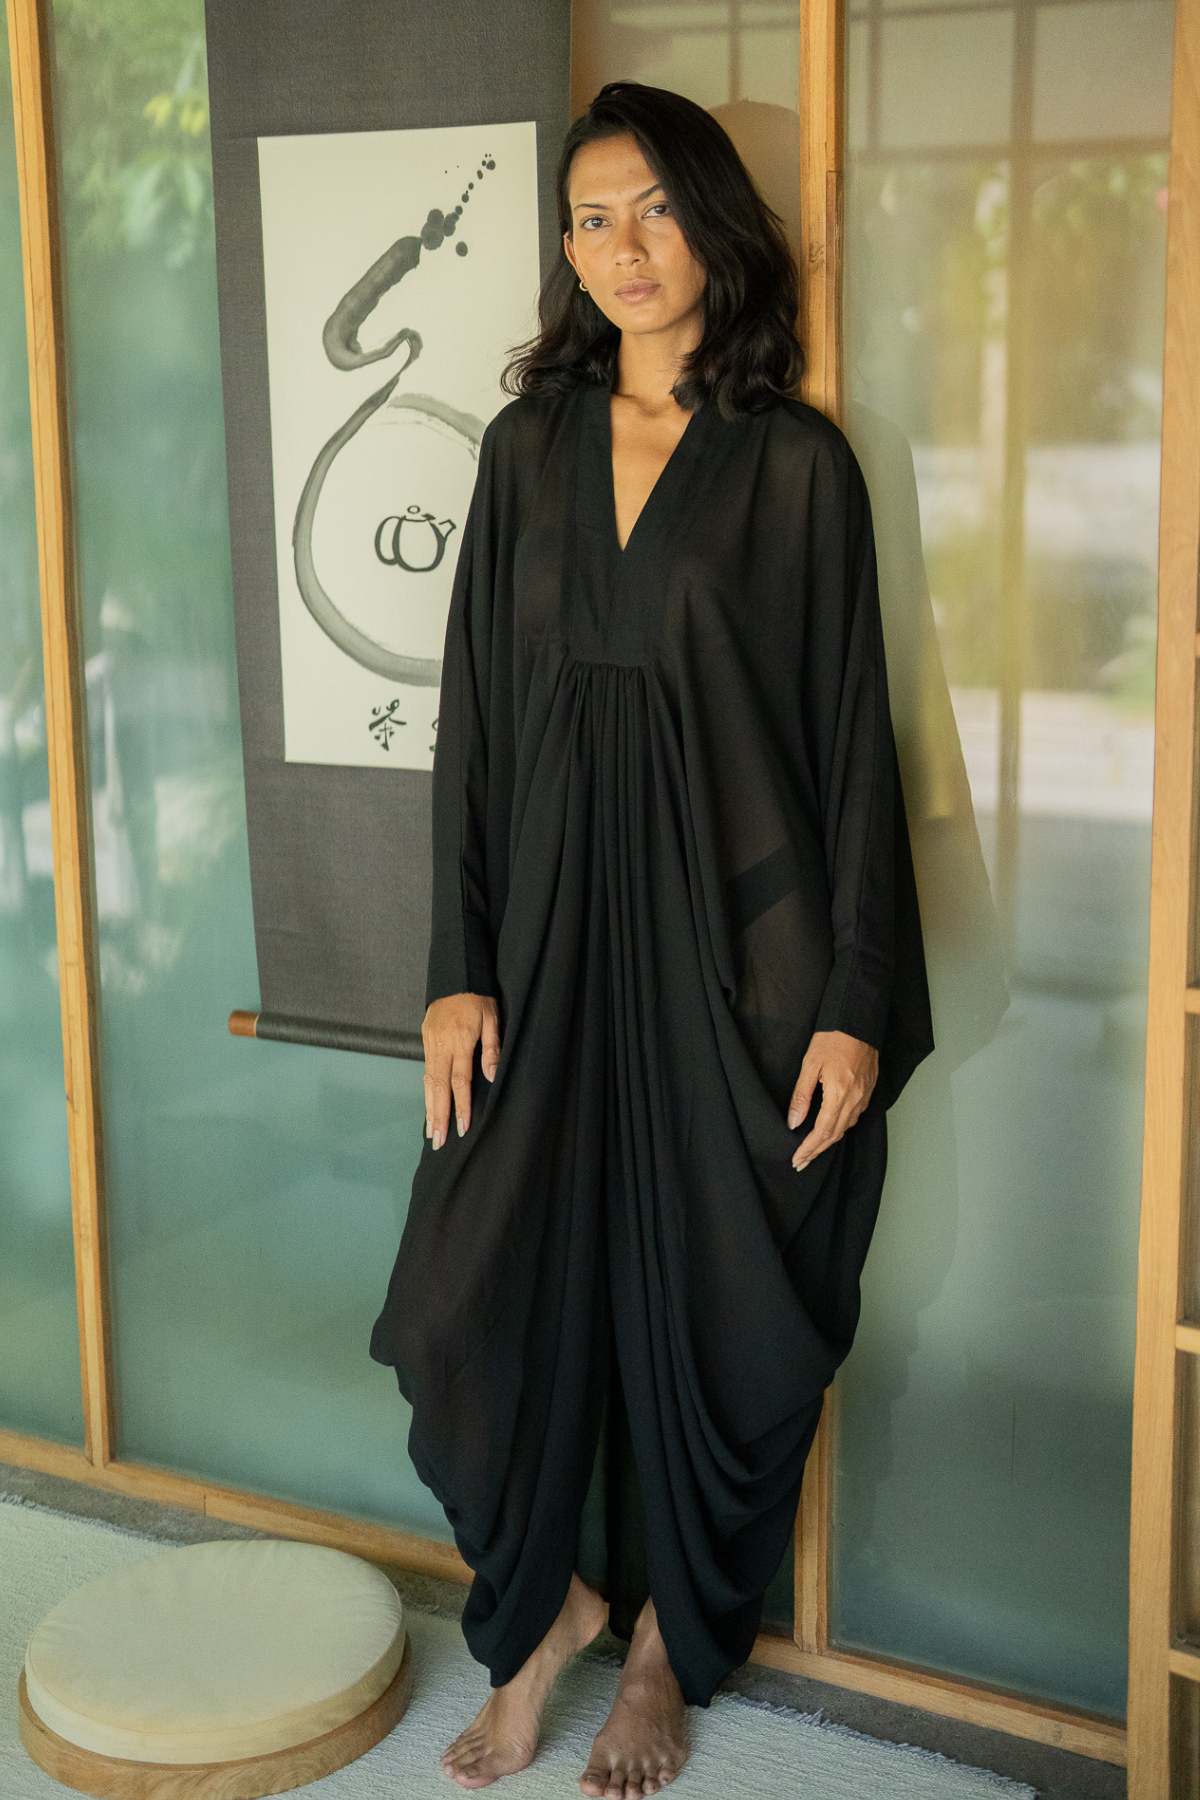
(384, 212)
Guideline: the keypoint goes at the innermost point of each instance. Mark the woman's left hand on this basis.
(847, 1070)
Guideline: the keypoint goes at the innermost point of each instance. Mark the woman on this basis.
(674, 911)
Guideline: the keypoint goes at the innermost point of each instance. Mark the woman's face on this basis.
(623, 231)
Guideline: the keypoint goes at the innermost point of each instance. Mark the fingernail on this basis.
(438, 1138)
(461, 1126)
(802, 1165)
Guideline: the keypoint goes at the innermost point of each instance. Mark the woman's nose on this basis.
(628, 241)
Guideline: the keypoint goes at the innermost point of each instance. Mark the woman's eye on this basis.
(657, 206)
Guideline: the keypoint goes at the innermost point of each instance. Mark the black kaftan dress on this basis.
(670, 840)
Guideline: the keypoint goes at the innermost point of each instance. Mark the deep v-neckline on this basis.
(660, 482)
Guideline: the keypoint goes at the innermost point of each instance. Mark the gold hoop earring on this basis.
(582, 286)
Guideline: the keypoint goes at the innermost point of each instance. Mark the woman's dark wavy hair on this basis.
(749, 354)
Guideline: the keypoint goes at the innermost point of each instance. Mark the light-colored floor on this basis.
(1055, 1774)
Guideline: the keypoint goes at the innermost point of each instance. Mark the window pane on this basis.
(256, 1190)
(1004, 312)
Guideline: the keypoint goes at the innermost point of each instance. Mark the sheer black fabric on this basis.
(670, 840)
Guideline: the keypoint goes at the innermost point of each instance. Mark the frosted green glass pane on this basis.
(39, 1334)
(256, 1190)
(1003, 349)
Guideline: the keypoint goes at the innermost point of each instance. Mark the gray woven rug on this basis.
(742, 1749)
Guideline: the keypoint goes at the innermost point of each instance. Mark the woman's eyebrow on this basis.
(604, 204)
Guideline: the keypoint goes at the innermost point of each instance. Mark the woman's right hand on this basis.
(450, 1030)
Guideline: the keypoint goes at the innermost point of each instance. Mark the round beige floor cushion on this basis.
(212, 1653)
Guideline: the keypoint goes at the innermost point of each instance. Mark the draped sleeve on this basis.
(852, 748)
(461, 945)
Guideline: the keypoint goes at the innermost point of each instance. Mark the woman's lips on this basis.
(640, 290)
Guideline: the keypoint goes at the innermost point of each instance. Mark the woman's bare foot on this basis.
(504, 1733)
(642, 1745)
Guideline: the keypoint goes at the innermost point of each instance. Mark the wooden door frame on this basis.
(30, 50)
(1161, 1745)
